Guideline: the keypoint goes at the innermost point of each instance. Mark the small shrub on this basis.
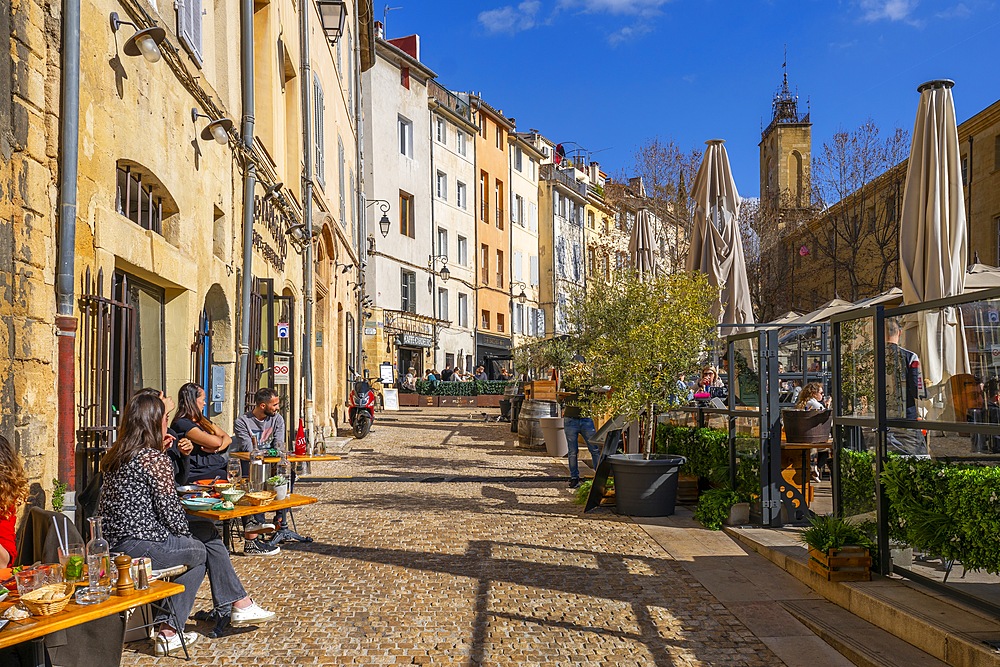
(713, 507)
(830, 532)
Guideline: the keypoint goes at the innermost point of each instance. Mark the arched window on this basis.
(795, 177)
(142, 198)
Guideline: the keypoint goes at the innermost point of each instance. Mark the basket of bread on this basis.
(49, 599)
(258, 498)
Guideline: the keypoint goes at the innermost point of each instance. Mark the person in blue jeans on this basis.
(577, 424)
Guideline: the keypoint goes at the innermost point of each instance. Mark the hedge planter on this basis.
(488, 400)
(807, 426)
(843, 564)
(408, 400)
(645, 487)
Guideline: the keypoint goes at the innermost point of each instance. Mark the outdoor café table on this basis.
(240, 511)
(34, 628)
(292, 458)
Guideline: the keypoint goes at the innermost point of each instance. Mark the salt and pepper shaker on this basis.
(143, 582)
(125, 585)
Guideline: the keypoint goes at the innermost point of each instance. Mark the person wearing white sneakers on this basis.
(143, 517)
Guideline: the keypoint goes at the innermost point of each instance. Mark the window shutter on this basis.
(534, 270)
(318, 122)
(189, 27)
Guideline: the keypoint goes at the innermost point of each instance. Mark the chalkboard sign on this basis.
(612, 441)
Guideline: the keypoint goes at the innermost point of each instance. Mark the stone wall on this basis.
(29, 105)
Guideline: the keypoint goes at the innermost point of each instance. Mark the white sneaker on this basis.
(166, 645)
(251, 615)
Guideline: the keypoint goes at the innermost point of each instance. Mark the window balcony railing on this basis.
(500, 217)
(486, 276)
(500, 280)
(484, 211)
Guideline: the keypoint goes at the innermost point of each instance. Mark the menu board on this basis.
(390, 396)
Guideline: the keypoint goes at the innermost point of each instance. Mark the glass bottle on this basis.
(98, 561)
(258, 469)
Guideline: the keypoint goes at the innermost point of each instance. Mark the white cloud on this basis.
(959, 11)
(641, 7)
(628, 33)
(511, 19)
(889, 10)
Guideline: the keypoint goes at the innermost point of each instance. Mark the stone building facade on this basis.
(29, 146)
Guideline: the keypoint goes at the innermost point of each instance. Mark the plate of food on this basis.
(198, 503)
(213, 483)
(189, 488)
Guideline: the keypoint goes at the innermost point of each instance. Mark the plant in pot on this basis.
(638, 335)
(722, 506)
(839, 550)
(278, 484)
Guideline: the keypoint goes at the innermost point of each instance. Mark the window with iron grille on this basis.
(141, 198)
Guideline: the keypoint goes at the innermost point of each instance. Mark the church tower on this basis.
(785, 154)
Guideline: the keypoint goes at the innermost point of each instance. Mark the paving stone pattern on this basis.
(440, 543)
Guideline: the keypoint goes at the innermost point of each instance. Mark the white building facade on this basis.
(527, 317)
(453, 174)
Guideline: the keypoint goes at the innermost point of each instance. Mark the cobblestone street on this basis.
(437, 542)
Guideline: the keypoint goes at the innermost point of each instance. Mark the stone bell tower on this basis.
(785, 154)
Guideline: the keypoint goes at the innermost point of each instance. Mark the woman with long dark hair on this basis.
(230, 603)
(143, 516)
(208, 458)
(13, 492)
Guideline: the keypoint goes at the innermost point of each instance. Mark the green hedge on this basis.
(706, 450)
(857, 482)
(474, 388)
(948, 510)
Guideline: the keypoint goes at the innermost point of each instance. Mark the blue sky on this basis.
(608, 74)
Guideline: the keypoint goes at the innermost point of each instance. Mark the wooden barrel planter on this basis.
(529, 431)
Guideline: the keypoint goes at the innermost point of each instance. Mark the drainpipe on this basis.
(249, 183)
(307, 213)
(66, 323)
(360, 220)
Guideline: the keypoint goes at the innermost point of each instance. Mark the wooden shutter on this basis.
(189, 27)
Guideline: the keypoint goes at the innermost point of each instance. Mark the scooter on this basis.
(361, 408)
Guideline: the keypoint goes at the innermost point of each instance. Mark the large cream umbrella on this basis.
(932, 236)
(716, 247)
(640, 245)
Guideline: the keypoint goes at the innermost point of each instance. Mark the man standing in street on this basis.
(265, 426)
(904, 384)
(576, 424)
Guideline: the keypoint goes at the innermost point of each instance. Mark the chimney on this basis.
(410, 45)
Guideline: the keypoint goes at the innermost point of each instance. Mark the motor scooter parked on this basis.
(361, 408)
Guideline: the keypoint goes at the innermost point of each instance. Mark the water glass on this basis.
(72, 560)
(51, 573)
(29, 579)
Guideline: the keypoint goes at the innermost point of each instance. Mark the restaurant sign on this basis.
(488, 340)
(272, 244)
(415, 340)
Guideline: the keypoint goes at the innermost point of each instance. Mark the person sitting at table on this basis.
(710, 383)
(231, 604)
(208, 458)
(13, 492)
(811, 398)
(447, 373)
(265, 426)
(409, 383)
(143, 515)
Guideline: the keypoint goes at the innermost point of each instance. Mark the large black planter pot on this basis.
(645, 487)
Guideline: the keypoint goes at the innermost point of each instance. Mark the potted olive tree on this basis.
(638, 335)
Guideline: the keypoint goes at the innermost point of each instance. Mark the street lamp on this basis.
(216, 129)
(332, 13)
(145, 42)
(431, 264)
(383, 223)
(523, 296)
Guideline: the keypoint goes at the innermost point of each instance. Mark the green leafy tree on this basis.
(638, 335)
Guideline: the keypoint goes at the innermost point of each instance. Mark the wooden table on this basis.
(292, 458)
(34, 628)
(240, 511)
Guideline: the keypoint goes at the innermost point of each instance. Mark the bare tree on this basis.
(858, 180)
(769, 257)
(667, 173)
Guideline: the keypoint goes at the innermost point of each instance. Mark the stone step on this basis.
(936, 624)
(857, 640)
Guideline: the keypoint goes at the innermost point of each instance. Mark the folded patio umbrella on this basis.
(640, 245)
(716, 247)
(932, 236)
